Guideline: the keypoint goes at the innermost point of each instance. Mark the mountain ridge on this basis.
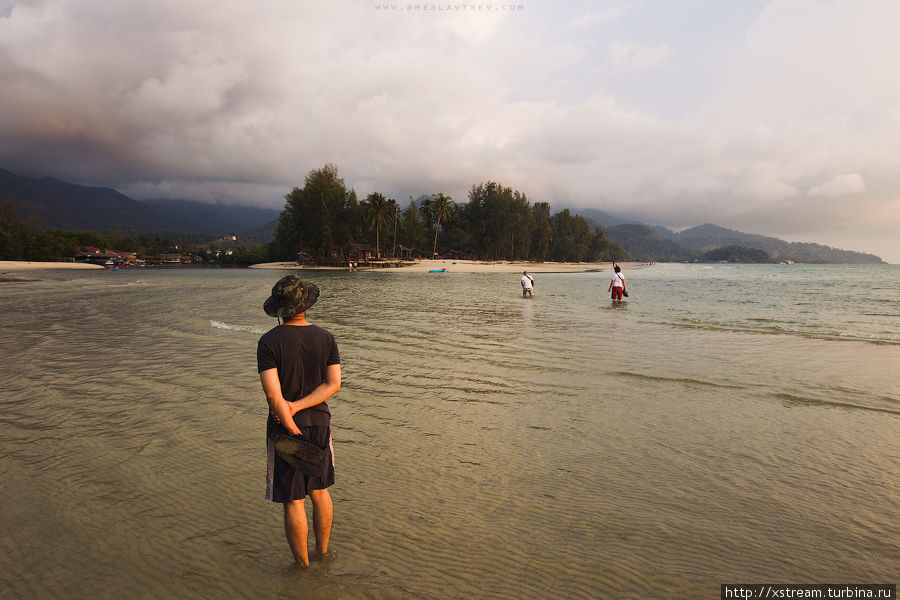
(58, 204)
(61, 205)
(707, 237)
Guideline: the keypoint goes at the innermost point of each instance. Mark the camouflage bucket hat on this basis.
(290, 296)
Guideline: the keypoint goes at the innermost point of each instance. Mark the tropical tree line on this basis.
(495, 223)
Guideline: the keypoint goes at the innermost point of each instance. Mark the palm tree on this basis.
(377, 212)
(396, 218)
(442, 209)
(425, 210)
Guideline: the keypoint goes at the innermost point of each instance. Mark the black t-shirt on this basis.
(301, 355)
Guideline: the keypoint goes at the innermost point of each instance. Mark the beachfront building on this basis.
(352, 252)
(401, 251)
(466, 254)
(97, 256)
(357, 252)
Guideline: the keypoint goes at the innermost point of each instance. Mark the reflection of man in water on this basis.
(527, 285)
(300, 368)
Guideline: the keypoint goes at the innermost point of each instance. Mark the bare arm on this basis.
(324, 391)
(271, 385)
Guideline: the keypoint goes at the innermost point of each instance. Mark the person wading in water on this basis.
(617, 285)
(527, 285)
(299, 368)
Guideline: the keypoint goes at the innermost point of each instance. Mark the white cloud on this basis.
(570, 105)
(198, 70)
(601, 17)
(627, 55)
(839, 185)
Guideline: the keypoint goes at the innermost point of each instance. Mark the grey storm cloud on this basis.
(774, 117)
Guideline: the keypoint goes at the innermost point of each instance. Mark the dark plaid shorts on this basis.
(285, 483)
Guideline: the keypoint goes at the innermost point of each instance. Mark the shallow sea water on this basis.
(725, 424)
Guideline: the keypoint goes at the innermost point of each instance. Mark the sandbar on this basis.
(28, 265)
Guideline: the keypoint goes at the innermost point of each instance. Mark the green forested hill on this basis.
(264, 233)
(736, 254)
(644, 244)
(701, 243)
(217, 219)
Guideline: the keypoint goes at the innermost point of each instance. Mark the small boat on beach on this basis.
(444, 270)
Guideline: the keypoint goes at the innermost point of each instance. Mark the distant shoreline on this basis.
(415, 266)
(467, 266)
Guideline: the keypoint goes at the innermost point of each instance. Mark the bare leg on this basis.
(323, 513)
(297, 530)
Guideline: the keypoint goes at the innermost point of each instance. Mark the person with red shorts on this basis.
(617, 285)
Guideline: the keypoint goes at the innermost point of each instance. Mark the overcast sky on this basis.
(773, 117)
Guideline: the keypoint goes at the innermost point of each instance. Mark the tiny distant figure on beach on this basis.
(617, 285)
(300, 368)
(527, 285)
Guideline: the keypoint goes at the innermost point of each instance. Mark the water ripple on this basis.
(485, 446)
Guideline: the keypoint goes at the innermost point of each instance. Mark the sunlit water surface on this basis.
(725, 424)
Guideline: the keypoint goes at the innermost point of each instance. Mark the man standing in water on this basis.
(527, 285)
(300, 368)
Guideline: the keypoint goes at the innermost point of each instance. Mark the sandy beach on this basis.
(414, 266)
(27, 265)
(470, 266)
